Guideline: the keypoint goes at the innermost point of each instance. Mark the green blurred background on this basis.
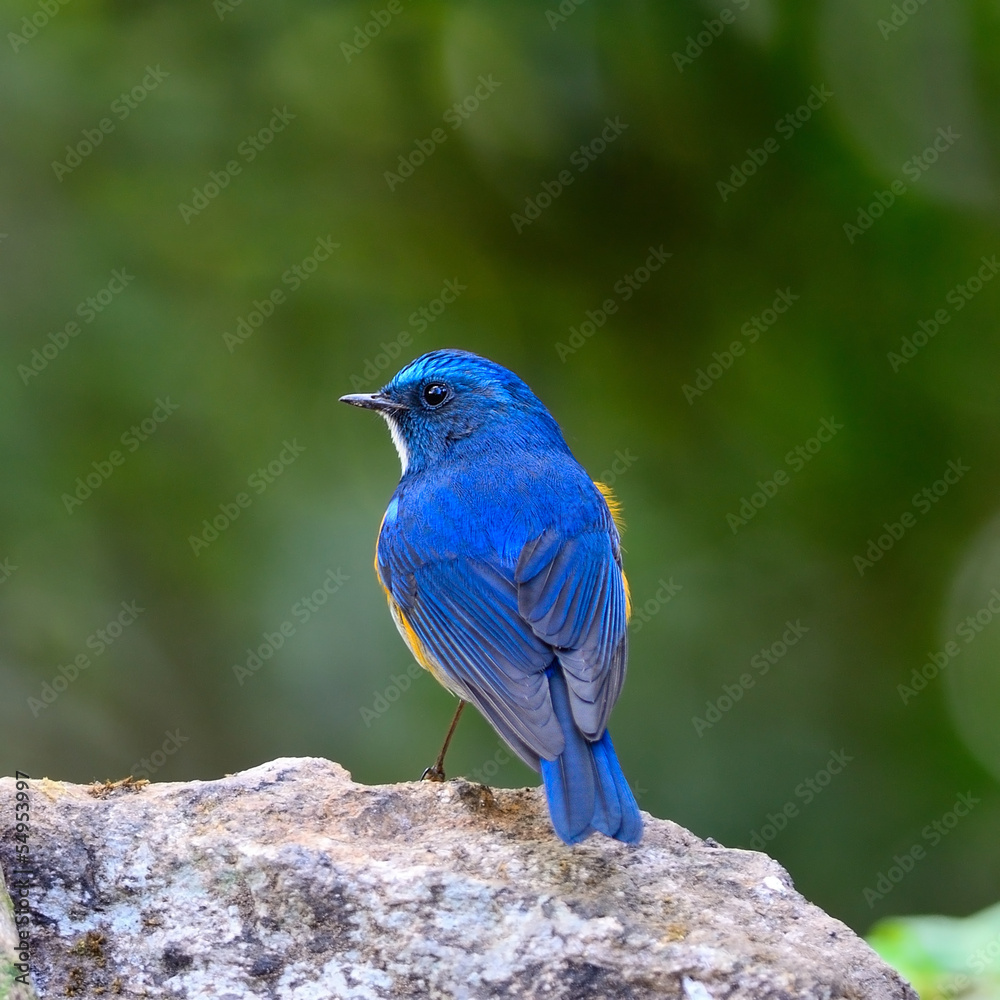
(201, 81)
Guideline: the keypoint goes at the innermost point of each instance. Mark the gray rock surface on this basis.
(291, 881)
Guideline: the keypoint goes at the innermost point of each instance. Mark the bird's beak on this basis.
(372, 401)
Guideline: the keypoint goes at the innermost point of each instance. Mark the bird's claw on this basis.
(433, 773)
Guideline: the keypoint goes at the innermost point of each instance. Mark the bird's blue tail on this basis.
(584, 785)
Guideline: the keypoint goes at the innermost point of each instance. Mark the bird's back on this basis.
(491, 507)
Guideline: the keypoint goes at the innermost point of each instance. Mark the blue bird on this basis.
(502, 566)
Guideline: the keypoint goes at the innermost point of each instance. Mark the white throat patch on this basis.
(397, 440)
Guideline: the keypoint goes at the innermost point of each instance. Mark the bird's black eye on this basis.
(435, 393)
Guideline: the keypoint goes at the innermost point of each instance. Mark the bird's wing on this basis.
(460, 618)
(573, 594)
(490, 632)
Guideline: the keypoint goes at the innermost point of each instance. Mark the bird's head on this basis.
(451, 399)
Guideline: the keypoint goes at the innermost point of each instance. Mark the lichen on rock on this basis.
(291, 881)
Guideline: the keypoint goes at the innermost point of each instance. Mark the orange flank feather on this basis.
(405, 629)
(615, 510)
(614, 504)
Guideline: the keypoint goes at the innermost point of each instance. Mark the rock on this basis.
(291, 881)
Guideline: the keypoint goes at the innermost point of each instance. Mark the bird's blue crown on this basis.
(449, 401)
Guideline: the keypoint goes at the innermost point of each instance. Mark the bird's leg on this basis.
(436, 771)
